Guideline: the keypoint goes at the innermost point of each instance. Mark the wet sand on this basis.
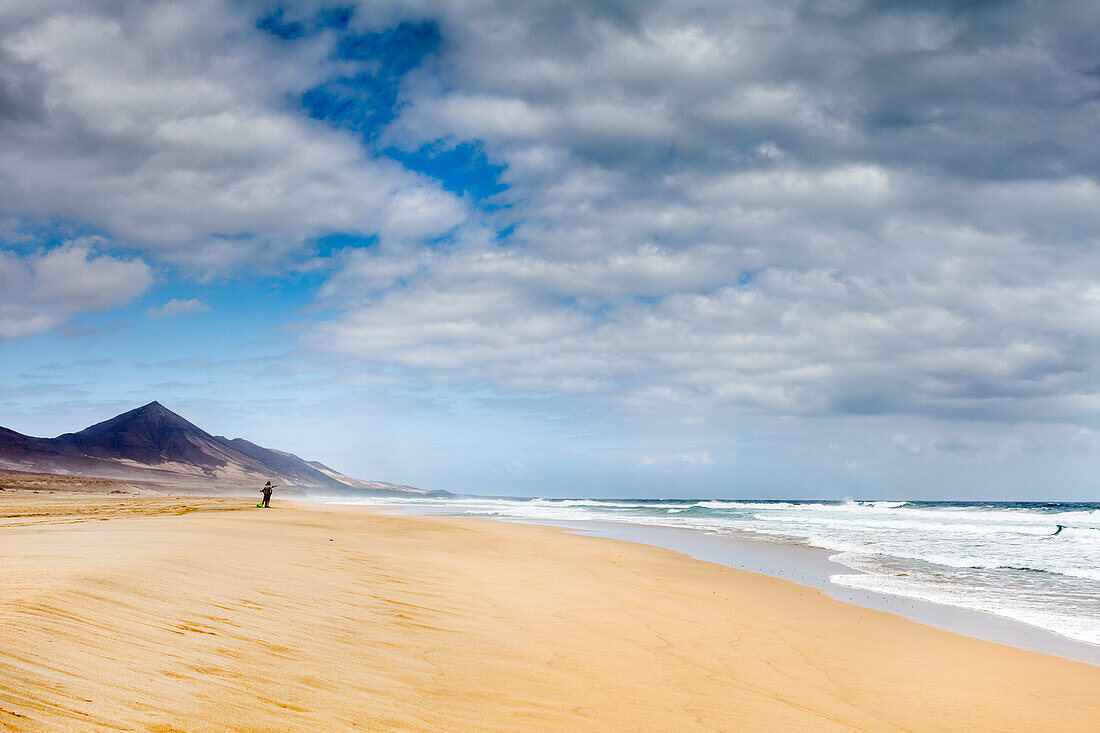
(209, 614)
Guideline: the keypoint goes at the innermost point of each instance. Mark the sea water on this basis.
(1032, 562)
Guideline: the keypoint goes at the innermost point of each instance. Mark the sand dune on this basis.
(170, 614)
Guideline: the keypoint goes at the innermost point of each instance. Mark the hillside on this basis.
(154, 444)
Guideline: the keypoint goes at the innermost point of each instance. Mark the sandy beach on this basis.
(172, 614)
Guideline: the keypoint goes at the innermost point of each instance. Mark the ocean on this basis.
(1037, 563)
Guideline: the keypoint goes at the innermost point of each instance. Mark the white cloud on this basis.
(945, 336)
(166, 126)
(176, 307)
(735, 208)
(689, 459)
(753, 208)
(41, 291)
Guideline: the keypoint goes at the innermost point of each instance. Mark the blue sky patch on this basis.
(399, 50)
(330, 243)
(335, 18)
(279, 26)
(463, 169)
(363, 103)
(367, 101)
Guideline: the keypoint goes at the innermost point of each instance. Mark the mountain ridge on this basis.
(152, 443)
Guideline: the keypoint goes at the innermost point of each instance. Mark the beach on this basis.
(1019, 573)
(209, 614)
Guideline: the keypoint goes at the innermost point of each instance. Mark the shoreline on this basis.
(810, 566)
(208, 614)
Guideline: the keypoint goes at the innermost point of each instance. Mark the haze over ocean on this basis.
(765, 249)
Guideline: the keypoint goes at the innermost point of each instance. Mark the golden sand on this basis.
(210, 615)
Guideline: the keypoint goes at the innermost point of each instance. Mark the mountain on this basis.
(152, 434)
(154, 444)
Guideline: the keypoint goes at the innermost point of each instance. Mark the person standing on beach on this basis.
(267, 493)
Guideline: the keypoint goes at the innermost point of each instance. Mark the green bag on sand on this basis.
(259, 505)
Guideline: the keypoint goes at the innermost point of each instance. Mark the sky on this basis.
(767, 248)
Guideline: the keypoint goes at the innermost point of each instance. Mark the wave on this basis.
(1050, 617)
(718, 504)
(604, 504)
(1014, 567)
(1077, 516)
(1066, 531)
(945, 562)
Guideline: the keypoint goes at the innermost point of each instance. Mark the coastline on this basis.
(204, 615)
(807, 563)
(811, 566)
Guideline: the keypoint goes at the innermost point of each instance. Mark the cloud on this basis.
(690, 459)
(166, 126)
(782, 209)
(38, 292)
(687, 208)
(176, 307)
(956, 444)
(956, 334)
